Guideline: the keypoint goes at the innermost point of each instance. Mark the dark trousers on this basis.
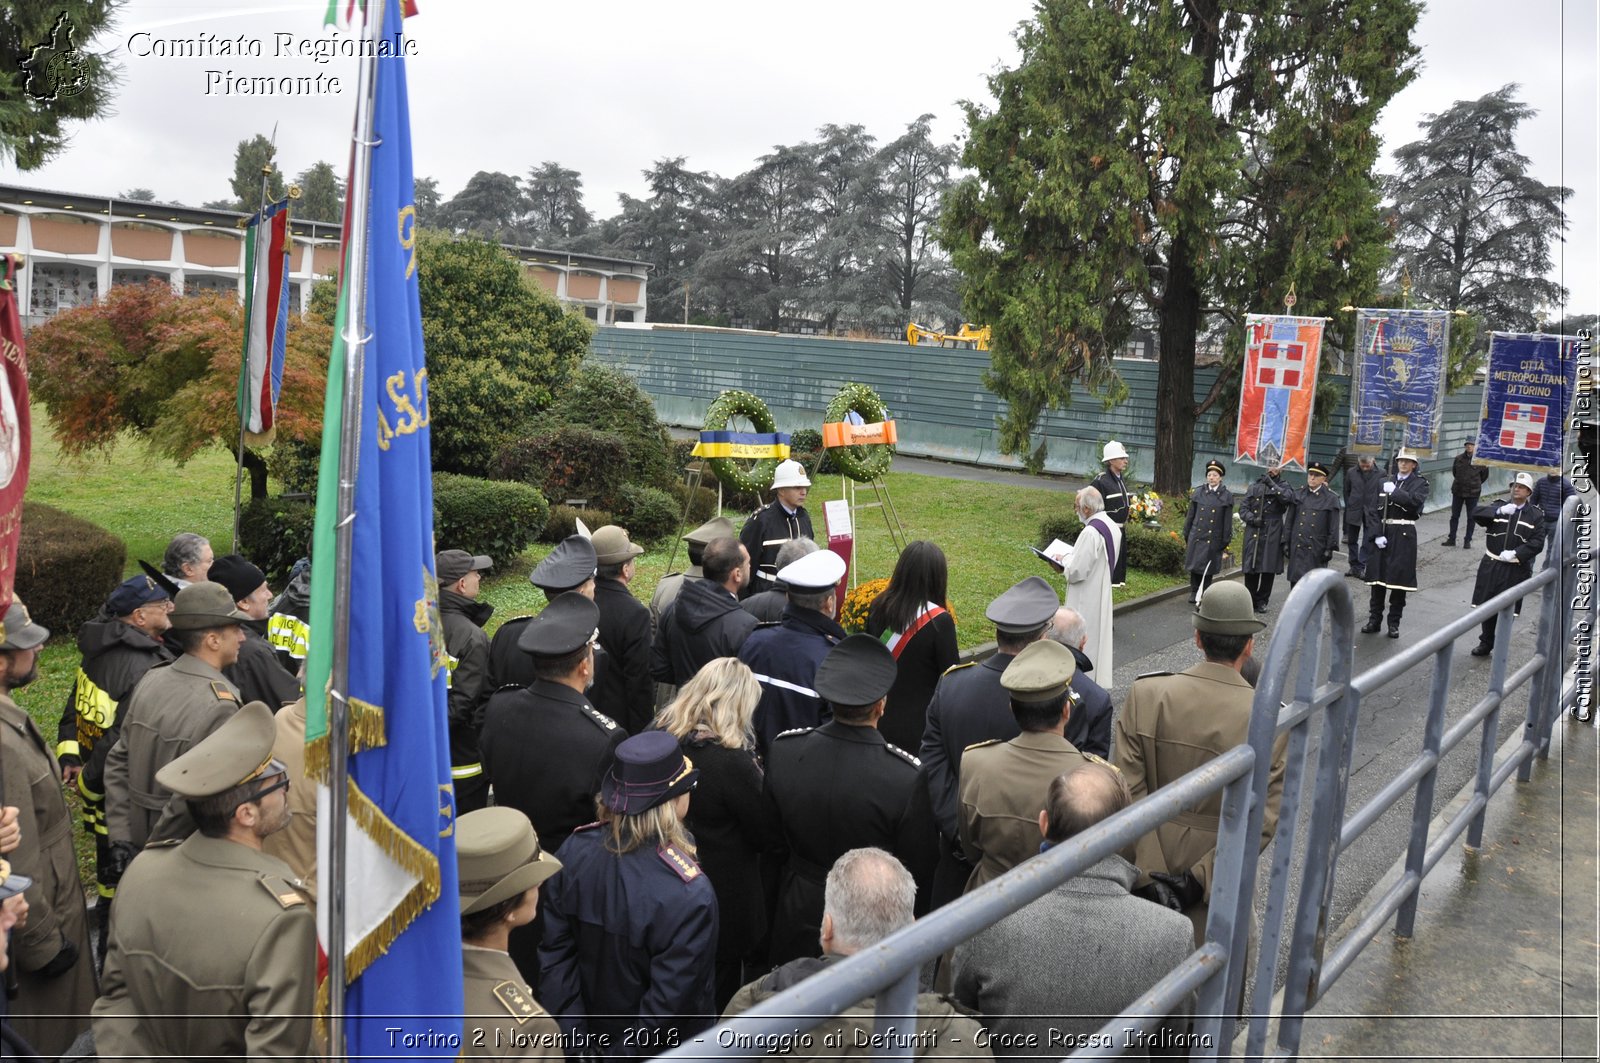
(1457, 504)
(1260, 586)
(1489, 625)
(1397, 603)
(1198, 583)
(472, 793)
(1354, 546)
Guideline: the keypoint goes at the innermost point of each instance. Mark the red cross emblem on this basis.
(1280, 364)
(1522, 426)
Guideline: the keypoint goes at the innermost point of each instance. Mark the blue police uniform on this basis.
(784, 658)
(630, 942)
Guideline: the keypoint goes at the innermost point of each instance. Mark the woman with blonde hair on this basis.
(732, 822)
(631, 922)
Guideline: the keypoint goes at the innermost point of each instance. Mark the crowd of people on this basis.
(673, 811)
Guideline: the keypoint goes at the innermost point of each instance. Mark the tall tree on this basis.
(425, 195)
(670, 231)
(139, 195)
(1177, 160)
(49, 74)
(321, 193)
(916, 176)
(849, 209)
(1473, 228)
(491, 206)
(250, 159)
(771, 216)
(555, 203)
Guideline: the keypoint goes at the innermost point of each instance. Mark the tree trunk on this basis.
(256, 466)
(1180, 322)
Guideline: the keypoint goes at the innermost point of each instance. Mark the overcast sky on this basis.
(607, 89)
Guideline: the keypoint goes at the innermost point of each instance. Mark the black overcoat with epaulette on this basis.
(1522, 532)
(1207, 528)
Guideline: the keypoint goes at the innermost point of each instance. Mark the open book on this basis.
(1057, 554)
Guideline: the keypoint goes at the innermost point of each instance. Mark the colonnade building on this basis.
(76, 246)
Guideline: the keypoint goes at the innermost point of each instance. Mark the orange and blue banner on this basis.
(1529, 387)
(1278, 389)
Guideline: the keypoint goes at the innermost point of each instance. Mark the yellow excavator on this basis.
(973, 336)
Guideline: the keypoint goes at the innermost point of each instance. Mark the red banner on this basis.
(15, 430)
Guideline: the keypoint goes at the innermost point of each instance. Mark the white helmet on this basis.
(1407, 454)
(790, 474)
(1113, 450)
(1523, 478)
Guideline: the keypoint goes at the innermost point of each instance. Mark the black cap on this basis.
(1024, 608)
(1222, 470)
(1317, 466)
(238, 575)
(451, 565)
(649, 769)
(133, 592)
(571, 564)
(858, 671)
(564, 626)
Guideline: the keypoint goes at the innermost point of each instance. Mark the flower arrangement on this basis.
(1144, 507)
(853, 617)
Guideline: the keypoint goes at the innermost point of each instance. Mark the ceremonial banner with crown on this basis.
(1277, 390)
(1400, 375)
(1529, 389)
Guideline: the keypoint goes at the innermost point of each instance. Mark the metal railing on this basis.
(1320, 654)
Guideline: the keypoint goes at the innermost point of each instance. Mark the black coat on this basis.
(545, 749)
(969, 705)
(468, 649)
(1207, 528)
(764, 534)
(766, 606)
(1315, 532)
(1266, 508)
(1114, 491)
(837, 788)
(512, 666)
(1363, 495)
(1395, 566)
(733, 826)
(629, 950)
(1522, 532)
(1466, 478)
(784, 658)
(931, 651)
(258, 673)
(115, 657)
(625, 692)
(702, 623)
(1089, 726)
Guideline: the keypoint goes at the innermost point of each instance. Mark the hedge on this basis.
(65, 567)
(648, 514)
(565, 462)
(604, 399)
(563, 522)
(494, 517)
(275, 533)
(1148, 550)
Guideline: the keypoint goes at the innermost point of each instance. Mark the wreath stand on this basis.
(898, 538)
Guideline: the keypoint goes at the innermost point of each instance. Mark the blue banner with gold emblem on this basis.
(402, 935)
(1527, 391)
(1401, 362)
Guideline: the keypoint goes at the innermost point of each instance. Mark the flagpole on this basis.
(356, 338)
(244, 362)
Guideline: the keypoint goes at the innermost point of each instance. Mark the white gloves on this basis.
(1508, 555)
(1508, 509)
(1388, 487)
(1381, 542)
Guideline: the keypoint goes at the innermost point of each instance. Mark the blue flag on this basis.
(1400, 376)
(1529, 387)
(403, 932)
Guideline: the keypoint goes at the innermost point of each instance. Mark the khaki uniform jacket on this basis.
(296, 844)
(1170, 725)
(56, 913)
(1003, 790)
(173, 707)
(502, 1019)
(213, 953)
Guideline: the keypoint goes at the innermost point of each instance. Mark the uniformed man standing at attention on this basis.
(1114, 492)
(571, 566)
(776, 523)
(841, 786)
(213, 947)
(1314, 536)
(545, 747)
(173, 707)
(258, 673)
(1172, 724)
(1207, 529)
(501, 867)
(969, 705)
(1004, 784)
(785, 656)
(1513, 538)
(1392, 567)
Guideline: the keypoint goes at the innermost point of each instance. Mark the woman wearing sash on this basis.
(910, 618)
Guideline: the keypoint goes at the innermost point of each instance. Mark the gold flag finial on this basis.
(294, 192)
(1405, 287)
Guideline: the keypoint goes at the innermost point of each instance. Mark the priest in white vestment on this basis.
(1088, 571)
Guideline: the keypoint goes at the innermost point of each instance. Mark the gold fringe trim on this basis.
(367, 731)
(413, 859)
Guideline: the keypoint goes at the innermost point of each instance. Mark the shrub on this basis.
(604, 399)
(1063, 526)
(647, 513)
(493, 517)
(567, 461)
(1151, 551)
(294, 462)
(65, 567)
(275, 533)
(563, 521)
(682, 454)
(702, 504)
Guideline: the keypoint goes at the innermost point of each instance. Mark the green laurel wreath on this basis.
(863, 464)
(735, 473)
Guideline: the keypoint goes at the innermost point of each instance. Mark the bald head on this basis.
(868, 896)
(1080, 799)
(1068, 629)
